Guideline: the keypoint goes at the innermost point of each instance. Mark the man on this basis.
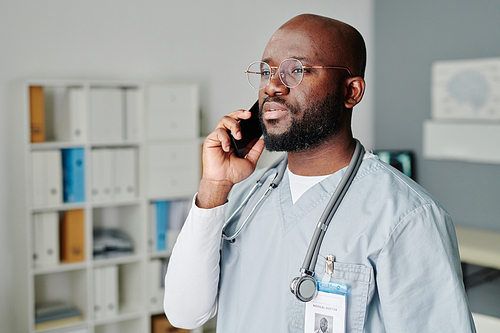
(323, 326)
(394, 245)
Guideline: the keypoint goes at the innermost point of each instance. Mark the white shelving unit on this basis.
(149, 134)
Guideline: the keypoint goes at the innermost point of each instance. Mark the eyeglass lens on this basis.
(290, 72)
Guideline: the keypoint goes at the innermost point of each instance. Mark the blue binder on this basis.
(73, 174)
(162, 214)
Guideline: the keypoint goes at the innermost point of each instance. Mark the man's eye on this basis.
(265, 73)
(297, 70)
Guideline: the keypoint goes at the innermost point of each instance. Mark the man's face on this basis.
(323, 325)
(298, 118)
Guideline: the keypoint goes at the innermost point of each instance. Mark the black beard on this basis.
(319, 121)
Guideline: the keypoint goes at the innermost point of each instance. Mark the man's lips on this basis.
(273, 111)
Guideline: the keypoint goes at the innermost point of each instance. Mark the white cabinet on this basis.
(83, 226)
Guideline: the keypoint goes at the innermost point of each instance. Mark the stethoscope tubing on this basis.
(307, 270)
(332, 206)
(274, 183)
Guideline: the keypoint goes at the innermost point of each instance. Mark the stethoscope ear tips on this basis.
(304, 287)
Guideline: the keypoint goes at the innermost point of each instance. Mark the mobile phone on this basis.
(250, 132)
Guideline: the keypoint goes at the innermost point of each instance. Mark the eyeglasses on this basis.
(291, 72)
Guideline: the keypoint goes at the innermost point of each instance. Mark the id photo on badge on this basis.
(323, 323)
(327, 311)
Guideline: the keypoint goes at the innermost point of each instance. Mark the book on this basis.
(73, 175)
(37, 114)
(72, 236)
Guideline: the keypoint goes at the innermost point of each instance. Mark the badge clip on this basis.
(329, 266)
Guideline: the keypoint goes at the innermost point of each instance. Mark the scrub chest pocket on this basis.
(358, 278)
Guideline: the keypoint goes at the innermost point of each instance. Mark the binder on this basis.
(132, 107)
(125, 175)
(73, 175)
(72, 236)
(46, 239)
(47, 177)
(102, 175)
(111, 290)
(99, 294)
(162, 213)
(53, 173)
(155, 285)
(106, 297)
(37, 114)
(106, 114)
(77, 128)
(179, 210)
(153, 238)
(39, 179)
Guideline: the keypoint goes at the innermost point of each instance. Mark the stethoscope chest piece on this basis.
(304, 287)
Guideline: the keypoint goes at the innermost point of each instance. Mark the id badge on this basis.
(326, 313)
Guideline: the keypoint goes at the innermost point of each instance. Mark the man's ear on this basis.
(355, 90)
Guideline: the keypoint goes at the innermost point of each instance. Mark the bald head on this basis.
(341, 43)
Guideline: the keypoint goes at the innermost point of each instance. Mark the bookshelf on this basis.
(92, 160)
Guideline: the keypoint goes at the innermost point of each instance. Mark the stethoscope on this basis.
(304, 287)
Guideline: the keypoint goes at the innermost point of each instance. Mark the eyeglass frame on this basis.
(276, 70)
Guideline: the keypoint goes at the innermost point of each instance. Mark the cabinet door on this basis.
(173, 169)
(106, 115)
(172, 112)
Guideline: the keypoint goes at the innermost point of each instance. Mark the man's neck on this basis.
(325, 159)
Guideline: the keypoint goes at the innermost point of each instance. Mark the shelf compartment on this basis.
(70, 287)
(126, 219)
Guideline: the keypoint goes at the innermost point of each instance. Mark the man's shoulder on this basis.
(383, 181)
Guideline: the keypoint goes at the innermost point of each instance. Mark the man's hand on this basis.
(221, 168)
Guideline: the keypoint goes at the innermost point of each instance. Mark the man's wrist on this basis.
(212, 194)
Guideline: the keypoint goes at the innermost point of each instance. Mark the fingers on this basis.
(224, 139)
(231, 122)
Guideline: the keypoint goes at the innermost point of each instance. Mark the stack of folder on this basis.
(55, 313)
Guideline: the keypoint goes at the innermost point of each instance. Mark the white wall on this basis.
(210, 42)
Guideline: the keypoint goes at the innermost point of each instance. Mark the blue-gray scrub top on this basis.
(395, 246)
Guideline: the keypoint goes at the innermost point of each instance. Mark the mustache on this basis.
(280, 100)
